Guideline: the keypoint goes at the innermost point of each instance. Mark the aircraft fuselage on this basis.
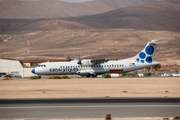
(61, 68)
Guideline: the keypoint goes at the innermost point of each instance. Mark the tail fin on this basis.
(147, 54)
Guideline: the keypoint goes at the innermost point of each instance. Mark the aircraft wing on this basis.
(98, 61)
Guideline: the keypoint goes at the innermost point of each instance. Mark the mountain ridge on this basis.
(14, 9)
(153, 16)
(119, 34)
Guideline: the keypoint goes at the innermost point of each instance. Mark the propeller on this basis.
(79, 62)
(68, 59)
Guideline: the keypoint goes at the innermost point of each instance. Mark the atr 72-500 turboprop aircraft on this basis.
(94, 67)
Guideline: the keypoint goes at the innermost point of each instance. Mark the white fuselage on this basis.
(61, 68)
(93, 67)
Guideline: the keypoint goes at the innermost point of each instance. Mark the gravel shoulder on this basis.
(90, 87)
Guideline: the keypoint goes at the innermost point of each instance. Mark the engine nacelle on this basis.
(86, 62)
(82, 72)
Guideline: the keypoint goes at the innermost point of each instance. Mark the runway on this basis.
(90, 110)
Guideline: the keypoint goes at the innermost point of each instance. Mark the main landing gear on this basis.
(91, 75)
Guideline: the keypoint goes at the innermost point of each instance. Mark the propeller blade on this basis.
(69, 59)
(79, 62)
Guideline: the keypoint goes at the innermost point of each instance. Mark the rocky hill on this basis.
(18, 9)
(154, 16)
(120, 34)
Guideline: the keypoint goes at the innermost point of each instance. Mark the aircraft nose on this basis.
(33, 71)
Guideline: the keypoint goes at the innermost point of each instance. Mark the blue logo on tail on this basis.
(143, 57)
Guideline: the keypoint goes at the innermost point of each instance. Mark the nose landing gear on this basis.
(39, 76)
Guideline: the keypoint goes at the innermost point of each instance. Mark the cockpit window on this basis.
(41, 65)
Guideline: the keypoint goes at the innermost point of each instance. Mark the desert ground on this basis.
(90, 87)
(92, 44)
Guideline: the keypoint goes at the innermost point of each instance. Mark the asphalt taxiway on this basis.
(141, 107)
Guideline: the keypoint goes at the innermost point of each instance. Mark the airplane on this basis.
(94, 67)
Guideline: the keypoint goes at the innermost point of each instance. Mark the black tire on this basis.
(94, 75)
(87, 76)
(39, 76)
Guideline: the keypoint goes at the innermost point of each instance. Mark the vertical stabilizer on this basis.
(147, 54)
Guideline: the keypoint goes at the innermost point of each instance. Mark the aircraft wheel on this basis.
(94, 75)
(87, 76)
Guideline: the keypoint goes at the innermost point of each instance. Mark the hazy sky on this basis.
(28, 0)
(62, 0)
(76, 0)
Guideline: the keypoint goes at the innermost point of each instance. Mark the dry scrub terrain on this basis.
(92, 43)
(88, 87)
